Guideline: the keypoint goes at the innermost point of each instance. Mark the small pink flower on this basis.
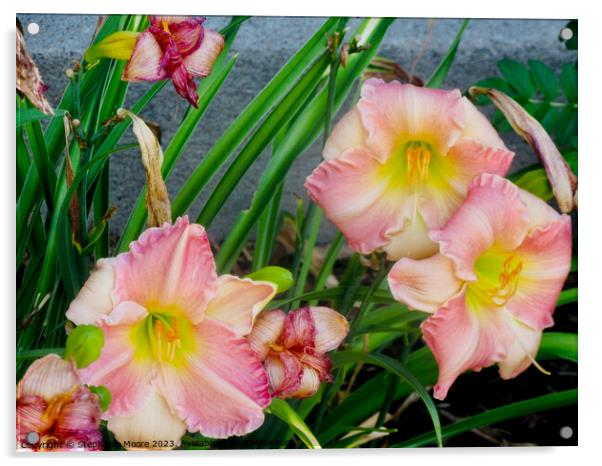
(492, 289)
(175, 47)
(174, 357)
(293, 348)
(55, 411)
(399, 163)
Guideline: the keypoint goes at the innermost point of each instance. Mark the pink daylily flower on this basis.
(492, 289)
(55, 411)
(175, 47)
(175, 357)
(399, 163)
(293, 348)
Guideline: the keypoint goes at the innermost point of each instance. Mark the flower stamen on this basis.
(418, 158)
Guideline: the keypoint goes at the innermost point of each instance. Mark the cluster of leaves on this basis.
(291, 112)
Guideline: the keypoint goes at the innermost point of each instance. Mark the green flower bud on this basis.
(84, 345)
(104, 395)
(282, 278)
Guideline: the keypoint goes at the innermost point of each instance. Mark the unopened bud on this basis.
(281, 277)
(84, 345)
(69, 73)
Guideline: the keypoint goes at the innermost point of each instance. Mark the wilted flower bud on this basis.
(562, 179)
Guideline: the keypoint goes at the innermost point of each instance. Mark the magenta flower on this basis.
(174, 357)
(55, 411)
(175, 47)
(399, 163)
(293, 348)
(492, 289)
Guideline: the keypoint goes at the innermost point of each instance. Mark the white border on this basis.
(590, 222)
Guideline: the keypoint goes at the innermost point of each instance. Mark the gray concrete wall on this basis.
(264, 44)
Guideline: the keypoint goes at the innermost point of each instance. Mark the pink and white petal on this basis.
(424, 284)
(478, 127)
(523, 350)
(151, 423)
(184, 84)
(359, 198)
(413, 241)
(125, 373)
(463, 339)
(94, 301)
(158, 20)
(540, 212)
(147, 62)
(393, 112)
(465, 160)
(239, 301)
(331, 328)
(285, 372)
(546, 261)
(188, 34)
(299, 330)
(472, 158)
(346, 134)
(168, 268)
(310, 383)
(48, 377)
(267, 329)
(221, 388)
(492, 215)
(200, 62)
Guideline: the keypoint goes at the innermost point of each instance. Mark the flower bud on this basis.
(281, 277)
(84, 345)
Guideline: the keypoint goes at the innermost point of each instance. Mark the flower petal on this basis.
(359, 199)
(477, 127)
(147, 62)
(492, 214)
(522, 351)
(546, 258)
(394, 112)
(540, 213)
(462, 339)
(48, 377)
(200, 61)
(266, 330)
(331, 328)
(310, 383)
(238, 302)
(222, 388)
(299, 329)
(153, 423)
(93, 301)
(118, 368)
(424, 284)
(466, 159)
(285, 373)
(80, 417)
(346, 134)
(170, 267)
(188, 34)
(413, 241)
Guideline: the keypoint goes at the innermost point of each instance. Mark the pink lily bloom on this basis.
(399, 163)
(293, 348)
(175, 357)
(492, 289)
(175, 47)
(55, 411)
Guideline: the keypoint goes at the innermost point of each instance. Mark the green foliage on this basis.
(382, 362)
(550, 97)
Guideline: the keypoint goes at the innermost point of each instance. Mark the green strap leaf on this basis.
(493, 416)
(282, 410)
(346, 357)
(437, 78)
(368, 398)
